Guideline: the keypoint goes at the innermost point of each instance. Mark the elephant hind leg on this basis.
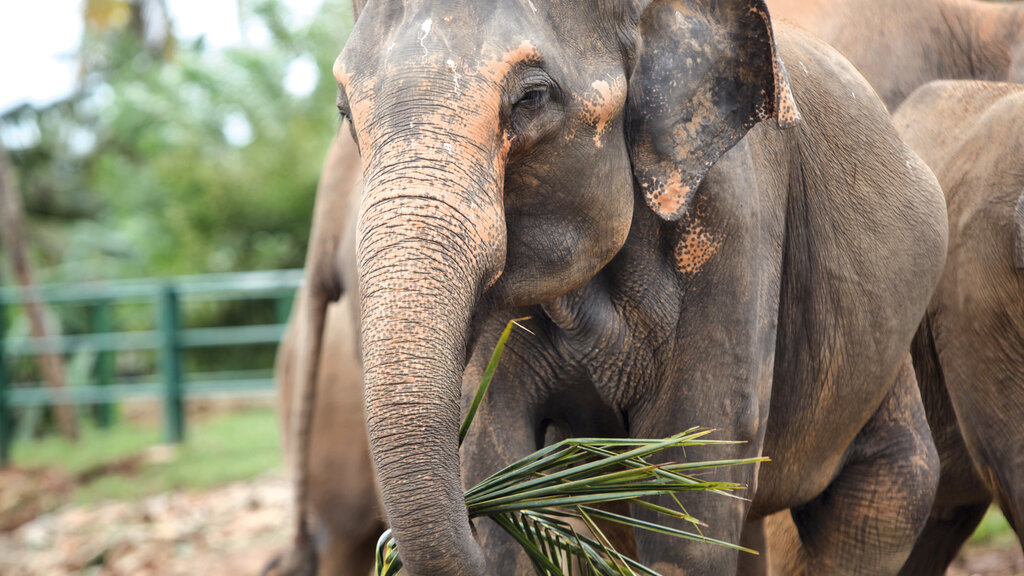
(942, 538)
(753, 537)
(785, 555)
(1009, 495)
(867, 520)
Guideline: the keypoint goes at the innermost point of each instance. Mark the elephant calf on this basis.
(340, 491)
(320, 399)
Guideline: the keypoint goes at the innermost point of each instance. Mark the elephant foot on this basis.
(297, 561)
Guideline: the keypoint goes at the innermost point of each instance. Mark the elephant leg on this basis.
(785, 554)
(867, 520)
(942, 538)
(963, 497)
(754, 538)
(724, 517)
(995, 435)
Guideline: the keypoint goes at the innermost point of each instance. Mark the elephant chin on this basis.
(415, 309)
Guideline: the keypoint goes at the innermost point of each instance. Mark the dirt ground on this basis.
(232, 530)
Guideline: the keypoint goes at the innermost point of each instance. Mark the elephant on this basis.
(969, 350)
(900, 45)
(321, 411)
(609, 169)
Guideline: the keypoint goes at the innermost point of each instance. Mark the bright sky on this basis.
(38, 39)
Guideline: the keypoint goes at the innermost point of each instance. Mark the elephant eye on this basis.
(531, 99)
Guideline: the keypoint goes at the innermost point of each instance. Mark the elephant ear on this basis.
(705, 73)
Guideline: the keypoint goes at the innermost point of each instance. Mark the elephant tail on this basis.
(1018, 233)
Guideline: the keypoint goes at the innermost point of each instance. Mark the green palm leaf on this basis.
(531, 498)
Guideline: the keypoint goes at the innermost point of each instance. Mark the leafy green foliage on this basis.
(181, 160)
(140, 173)
(534, 498)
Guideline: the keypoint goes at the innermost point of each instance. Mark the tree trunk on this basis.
(12, 233)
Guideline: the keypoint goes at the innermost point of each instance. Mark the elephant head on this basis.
(506, 147)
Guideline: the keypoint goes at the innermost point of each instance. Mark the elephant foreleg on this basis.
(534, 400)
(867, 520)
(754, 538)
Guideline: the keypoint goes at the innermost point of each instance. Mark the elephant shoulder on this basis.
(852, 160)
(855, 192)
(1003, 118)
(846, 130)
(983, 183)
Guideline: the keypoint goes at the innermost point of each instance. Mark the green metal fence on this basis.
(171, 384)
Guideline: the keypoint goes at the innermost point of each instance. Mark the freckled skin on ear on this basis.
(695, 231)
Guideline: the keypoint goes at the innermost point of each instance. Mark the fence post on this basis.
(170, 365)
(5, 420)
(283, 307)
(102, 322)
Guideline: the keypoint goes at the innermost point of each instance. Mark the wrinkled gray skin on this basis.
(900, 45)
(969, 350)
(338, 518)
(605, 169)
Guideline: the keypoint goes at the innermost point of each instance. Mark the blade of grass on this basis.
(485, 383)
(597, 465)
(520, 535)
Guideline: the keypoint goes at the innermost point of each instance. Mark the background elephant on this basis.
(969, 350)
(901, 44)
(341, 494)
(320, 395)
(607, 169)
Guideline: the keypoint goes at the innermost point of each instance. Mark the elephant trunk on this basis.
(426, 252)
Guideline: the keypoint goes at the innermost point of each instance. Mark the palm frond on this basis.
(533, 498)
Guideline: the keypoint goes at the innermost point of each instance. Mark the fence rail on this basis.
(169, 339)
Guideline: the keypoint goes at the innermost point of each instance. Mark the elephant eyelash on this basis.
(532, 99)
(345, 118)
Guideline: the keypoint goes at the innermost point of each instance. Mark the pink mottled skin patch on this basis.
(340, 75)
(668, 198)
(497, 70)
(604, 106)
